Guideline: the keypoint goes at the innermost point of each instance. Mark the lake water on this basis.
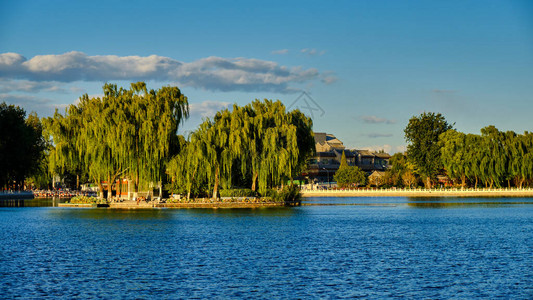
(337, 247)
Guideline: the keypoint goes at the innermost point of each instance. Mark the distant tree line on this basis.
(491, 159)
(132, 133)
(494, 158)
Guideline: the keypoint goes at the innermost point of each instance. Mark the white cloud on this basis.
(376, 120)
(8, 85)
(377, 135)
(329, 79)
(312, 52)
(207, 108)
(401, 148)
(376, 148)
(211, 73)
(280, 52)
(42, 106)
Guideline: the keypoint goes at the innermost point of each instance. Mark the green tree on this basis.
(344, 162)
(127, 132)
(453, 154)
(21, 145)
(422, 133)
(399, 166)
(473, 157)
(259, 141)
(494, 160)
(521, 162)
(350, 176)
(409, 179)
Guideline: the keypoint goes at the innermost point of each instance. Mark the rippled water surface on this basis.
(370, 248)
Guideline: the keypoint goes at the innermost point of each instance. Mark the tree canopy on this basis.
(347, 176)
(259, 144)
(21, 144)
(127, 133)
(494, 158)
(422, 133)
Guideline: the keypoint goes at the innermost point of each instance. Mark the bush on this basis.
(289, 194)
(238, 193)
(87, 200)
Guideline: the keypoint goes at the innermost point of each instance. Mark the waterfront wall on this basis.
(395, 192)
(15, 195)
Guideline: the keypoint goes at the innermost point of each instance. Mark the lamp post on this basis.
(329, 182)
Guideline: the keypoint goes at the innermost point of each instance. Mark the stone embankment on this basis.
(455, 192)
(15, 195)
(196, 204)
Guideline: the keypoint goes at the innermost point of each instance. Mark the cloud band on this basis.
(211, 73)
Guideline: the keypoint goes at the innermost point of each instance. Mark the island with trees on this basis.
(249, 153)
(126, 142)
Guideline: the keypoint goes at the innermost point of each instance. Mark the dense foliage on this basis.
(127, 133)
(494, 158)
(422, 133)
(21, 145)
(349, 176)
(258, 146)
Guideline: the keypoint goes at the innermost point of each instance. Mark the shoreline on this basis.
(150, 205)
(421, 193)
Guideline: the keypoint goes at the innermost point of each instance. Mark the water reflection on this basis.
(418, 202)
(454, 202)
(110, 214)
(36, 202)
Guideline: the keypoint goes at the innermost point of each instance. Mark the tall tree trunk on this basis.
(254, 181)
(463, 181)
(137, 169)
(476, 183)
(109, 187)
(100, 187)
(189, 184)
(77, 182)
(215, 188)
(137, 178)
(119, 188)
(428, 182)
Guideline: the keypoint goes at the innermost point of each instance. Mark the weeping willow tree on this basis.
(127, 132)
(494, 158)
(259, 141)
(453, 154)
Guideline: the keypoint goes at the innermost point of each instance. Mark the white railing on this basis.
(417, 190)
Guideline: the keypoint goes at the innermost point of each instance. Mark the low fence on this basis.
(419, 192)
(528, 189)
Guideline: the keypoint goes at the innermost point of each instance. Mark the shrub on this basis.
(87, 200)
(289, 194)
(238, 193)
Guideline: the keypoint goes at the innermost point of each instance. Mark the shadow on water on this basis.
(36, 202)
(166, 213)
(455, 202)
(418, 202)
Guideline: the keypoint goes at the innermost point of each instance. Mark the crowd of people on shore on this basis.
(61, 193)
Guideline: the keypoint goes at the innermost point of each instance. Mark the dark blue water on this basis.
(376, 248)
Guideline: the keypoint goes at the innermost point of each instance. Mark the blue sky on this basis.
(369, 66)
